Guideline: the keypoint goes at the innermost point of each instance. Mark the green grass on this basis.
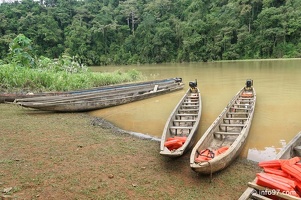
(74, 160)
(14, 78)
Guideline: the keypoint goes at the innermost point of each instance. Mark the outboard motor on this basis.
(178, 80)
(193, 85)
(249, 83)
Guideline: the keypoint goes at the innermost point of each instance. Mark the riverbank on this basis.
(48, 155)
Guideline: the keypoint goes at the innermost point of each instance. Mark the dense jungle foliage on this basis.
(100, 32)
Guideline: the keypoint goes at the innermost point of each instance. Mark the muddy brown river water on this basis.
(277, 116)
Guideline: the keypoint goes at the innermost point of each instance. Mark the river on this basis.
(277, 116)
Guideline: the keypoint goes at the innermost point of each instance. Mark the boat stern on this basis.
(202, 167)
(175, 153)
(210, 166)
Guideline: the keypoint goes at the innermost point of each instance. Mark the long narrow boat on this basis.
(102, 97)
(225, 138)
(181, 127)
(254, 191)
(46, 96)
(103, 90)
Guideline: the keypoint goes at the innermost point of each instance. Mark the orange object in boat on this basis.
(221, 150)
(291, 169)
(204, 155)
(246, 95)
(276, 171)
(173, 144)
(270, 163)
(270, 181)
(182, 139)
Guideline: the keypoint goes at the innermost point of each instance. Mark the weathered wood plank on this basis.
(226, 133)
(233, 125)
(180, 127)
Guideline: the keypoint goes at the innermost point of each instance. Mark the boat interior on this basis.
(186, 115)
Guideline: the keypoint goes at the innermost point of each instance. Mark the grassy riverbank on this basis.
(64, 156)
(21, 79)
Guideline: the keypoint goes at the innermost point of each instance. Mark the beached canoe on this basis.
(181, 127)
(225, 138)
(6, 97)
(102, 97)
(255, 191)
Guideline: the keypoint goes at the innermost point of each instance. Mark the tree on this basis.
(20, 52)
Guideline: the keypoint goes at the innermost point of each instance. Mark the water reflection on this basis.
(269, 153)
(277, 113)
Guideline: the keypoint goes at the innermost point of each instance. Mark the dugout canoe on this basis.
(254, 191)
(6, 97)
(224, 139)
(100, 91)
(181, 127)
(102, 97)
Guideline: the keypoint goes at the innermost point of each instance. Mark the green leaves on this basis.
(21, 52)
(144, 31)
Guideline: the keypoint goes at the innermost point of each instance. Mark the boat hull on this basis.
(230, 130)
(101, 98)
(182, 122)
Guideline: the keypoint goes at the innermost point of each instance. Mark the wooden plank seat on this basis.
(184, 120)
(237, 113)
(180, 127)
(240, 108)
(233, 125)
(226, 133)
(180, 116)
(242, 98)
(186, 114)
(235, 118)
(242, 104)
(190, 106)
(244, 101)
(184, 110)
(190, 101)
(193, 96)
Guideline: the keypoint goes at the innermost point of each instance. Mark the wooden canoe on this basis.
(292, 149)
(225, 138)
(47, 96)
(182, 123)
(99, 91)
(102, 98)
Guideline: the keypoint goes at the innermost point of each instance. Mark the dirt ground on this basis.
(45, 155)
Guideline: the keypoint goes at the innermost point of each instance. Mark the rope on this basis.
(210, 171)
